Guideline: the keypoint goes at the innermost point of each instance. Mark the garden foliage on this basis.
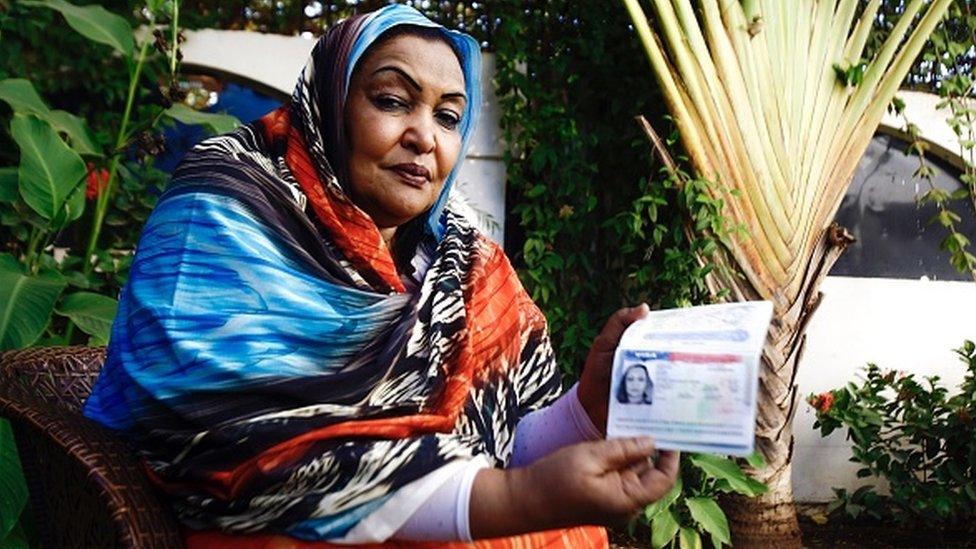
(914, 434)
(58, 271)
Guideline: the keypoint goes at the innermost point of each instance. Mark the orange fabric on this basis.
(585, 537)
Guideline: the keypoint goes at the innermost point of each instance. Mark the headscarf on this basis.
(268, 361)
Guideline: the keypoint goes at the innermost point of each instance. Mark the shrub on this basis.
(913, 434)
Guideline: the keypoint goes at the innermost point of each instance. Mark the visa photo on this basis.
(686, 401)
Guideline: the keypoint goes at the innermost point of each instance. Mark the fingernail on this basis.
(646, 442)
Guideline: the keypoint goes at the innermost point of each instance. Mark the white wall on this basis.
(907, 325)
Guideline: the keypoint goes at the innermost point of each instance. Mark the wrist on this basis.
(594, 406)
(504, 502)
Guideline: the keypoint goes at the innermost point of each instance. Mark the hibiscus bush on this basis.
(915, 435)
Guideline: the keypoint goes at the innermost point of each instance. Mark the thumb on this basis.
(619, 453)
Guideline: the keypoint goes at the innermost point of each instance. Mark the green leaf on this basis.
(93, 22)
(8, 185)
(77, 130)
(20, 94)
(663, 528)
(49, 169)
(707, 513)
(755, 460)
(23, 98)
(26, 303)
(16, 539)
(664, 503)
(689, 539)
(218, 123)
(723, 468)
(13, 489)
(91, 312)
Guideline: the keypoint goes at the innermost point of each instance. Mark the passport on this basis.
(689, 378)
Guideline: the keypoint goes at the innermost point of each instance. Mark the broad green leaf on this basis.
(689, 539)
(91, 312)
(8, 184)
(20, 94)
(664, 503)
(49, 169)
(724, 468)
(17, 538)
(26, 303)
(663, 528)
(93, 22)
(707, 513)
(23, 98)
(13, 490)
(77, 130)
(218, 123)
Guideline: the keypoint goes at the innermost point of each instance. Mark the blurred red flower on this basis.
(822, 402)
(97, 180)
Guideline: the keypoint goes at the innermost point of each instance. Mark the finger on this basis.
(667, 462)
(621, 453)
(615, 326)
(661, 477)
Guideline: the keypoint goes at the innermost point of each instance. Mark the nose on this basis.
(419, 136)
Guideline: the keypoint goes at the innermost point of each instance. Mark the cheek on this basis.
(449, 148)
(372, 136)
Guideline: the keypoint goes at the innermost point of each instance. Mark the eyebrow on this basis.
(413, 83)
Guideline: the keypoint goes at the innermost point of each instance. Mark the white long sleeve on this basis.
(444, 515)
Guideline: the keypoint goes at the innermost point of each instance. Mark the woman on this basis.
(635, 386)
(314, 345)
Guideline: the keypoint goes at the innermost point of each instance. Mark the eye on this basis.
(388, 102)
(448, 119)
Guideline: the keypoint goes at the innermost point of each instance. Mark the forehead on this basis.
(431, 62)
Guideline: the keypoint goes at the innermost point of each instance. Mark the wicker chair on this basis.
(86, 488)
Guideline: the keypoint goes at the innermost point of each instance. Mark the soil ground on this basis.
(843, 533)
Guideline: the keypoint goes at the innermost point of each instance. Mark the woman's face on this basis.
(403, 114)
(635, 381)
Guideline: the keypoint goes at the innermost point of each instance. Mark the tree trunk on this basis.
(770, 520)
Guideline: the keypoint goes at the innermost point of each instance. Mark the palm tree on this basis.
(774, 103)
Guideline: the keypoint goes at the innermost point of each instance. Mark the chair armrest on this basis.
(90, 484)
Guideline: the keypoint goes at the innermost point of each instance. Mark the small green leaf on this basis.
(689, 539)
(664, 503)
(707, 513)
(92, 312)
(26, 303)
(723, 468)
(49, 170)
(663, 528)
(755, 460)
(93, 22)
(218, 123)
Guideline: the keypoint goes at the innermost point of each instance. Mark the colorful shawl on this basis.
(268, 360)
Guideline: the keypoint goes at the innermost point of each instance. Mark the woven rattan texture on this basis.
(87, 489)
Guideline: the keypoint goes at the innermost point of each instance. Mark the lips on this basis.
(412, 174)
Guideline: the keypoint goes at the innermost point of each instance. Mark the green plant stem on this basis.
(31, 255)
(175, 27)
(101, 206)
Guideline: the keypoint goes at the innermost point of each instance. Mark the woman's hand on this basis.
(604, 482)
(594, 384)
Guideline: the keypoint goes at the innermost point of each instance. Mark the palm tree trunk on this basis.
(770, 519)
